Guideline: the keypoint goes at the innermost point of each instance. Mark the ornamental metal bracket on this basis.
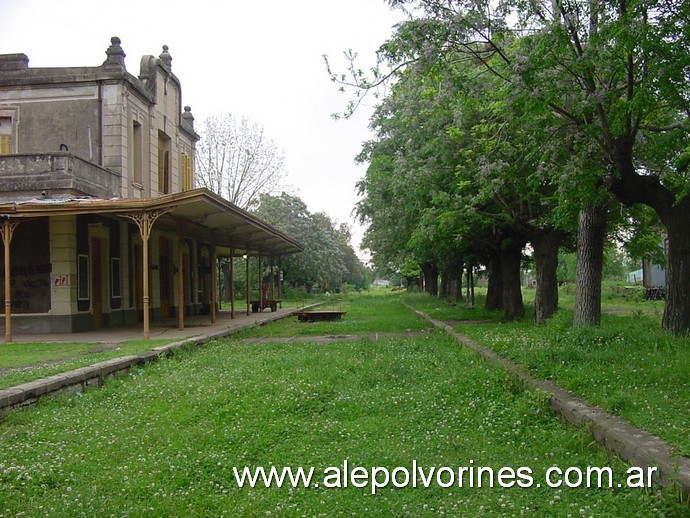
(145, 220)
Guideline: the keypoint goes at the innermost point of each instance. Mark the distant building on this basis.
(636, 276)
(651, 275)
(100, 220)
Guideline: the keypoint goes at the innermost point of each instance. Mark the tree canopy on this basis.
(236, 160)
(504, 119)
(328, 260)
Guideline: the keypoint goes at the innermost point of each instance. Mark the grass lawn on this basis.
(368, 312)
(22, 362)
(628, 365)
(163, 440)
(18, 355)
(614, 297)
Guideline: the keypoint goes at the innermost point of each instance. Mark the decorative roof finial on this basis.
(188, 117)
(116, 56)
(165, 57)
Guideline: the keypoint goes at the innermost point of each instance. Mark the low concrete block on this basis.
(10, 397)
(92, 375)
(147, 357)
(83, 374)
(43, 386)
(633, 444)
(116, 364)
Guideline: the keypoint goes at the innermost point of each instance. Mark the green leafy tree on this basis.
(408, 164)
(613, 73)
(328, 259)
(617, 72)
(356, 273)
(474, 190)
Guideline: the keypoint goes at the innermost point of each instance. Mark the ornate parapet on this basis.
(56, 174)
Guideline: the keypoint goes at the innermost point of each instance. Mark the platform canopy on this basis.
(199, 213)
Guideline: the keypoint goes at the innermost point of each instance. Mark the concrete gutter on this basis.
(94, 375)
(636, 446)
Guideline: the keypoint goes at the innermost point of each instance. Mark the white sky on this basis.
(258, 59)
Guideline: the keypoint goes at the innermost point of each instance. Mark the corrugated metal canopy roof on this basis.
(199, 212)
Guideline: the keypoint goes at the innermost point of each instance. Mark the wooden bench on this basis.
(260, 305)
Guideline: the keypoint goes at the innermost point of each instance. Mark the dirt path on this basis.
(325, 339)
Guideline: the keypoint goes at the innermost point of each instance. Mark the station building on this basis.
(102, 225)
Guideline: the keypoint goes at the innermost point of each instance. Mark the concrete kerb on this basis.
(632, 444)
(29, 393)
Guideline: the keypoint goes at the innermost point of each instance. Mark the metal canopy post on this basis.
(145, 221)
(280, 280)
(214, 280)
(248, 288)
(272, 280)
(232, 283)
(180, 276)
(7, 231)
(261, 286)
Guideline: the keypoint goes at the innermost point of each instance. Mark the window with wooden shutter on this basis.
(5, 135)
(137, 152)
(186, 172)
(164, 146)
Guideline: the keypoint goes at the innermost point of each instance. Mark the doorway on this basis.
(96, 283)
(165, 272)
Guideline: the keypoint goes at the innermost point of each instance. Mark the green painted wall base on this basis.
(83, 321)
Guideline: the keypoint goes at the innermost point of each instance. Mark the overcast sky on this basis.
(256, 59)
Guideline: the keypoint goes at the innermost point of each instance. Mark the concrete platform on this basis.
(197, 330)
(195, 327)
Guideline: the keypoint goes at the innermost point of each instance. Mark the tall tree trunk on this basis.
(511, 260)
(647, 272)
(430, 272)
(444, 288)
(591, 235)
(630, 188)
(676, 317)
(546, 245)
(494, 291)
(455, 281)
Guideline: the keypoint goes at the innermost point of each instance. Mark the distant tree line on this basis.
(238, 161)
(328, 262)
